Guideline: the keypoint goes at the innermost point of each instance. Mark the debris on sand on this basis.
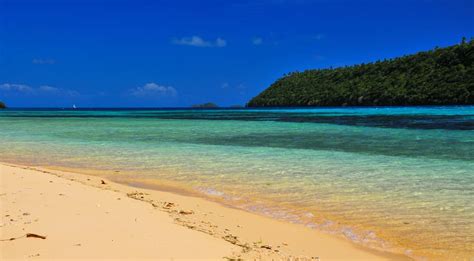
(35, 236)
(168, 205)
(137, 195)
(186, 212)
(26, 235)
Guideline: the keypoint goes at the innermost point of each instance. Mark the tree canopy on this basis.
(442, 76)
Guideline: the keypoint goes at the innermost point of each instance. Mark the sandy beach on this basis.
(87, 217)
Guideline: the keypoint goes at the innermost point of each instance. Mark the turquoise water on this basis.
(399, 179)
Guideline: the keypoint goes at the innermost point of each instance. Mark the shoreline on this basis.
(250, 236)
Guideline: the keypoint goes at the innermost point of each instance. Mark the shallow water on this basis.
(400, 179)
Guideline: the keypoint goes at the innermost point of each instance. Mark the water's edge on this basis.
(181, 189)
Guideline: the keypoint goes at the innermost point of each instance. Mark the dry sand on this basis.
(82, 218)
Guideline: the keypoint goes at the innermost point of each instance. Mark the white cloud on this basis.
(14, 88)
(154, 90)
(43, 61)
(192, 41)
(257, 41)
(221, 42)
(197, 41)
(46, 88)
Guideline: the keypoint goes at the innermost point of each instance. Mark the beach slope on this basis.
(85, 222)
(88, 217)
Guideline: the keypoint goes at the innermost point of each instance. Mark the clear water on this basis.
(400, 179)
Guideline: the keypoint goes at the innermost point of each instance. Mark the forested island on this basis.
(442, 76)
(2, 105)
(205, 105)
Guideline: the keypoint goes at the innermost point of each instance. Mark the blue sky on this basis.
(143, 53)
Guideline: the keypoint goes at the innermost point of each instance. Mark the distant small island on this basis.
(442, 76)
(2, 105)
(206, 105)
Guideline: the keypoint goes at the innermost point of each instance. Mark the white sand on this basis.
(84, 219)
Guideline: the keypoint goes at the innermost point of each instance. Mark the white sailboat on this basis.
(74, 106)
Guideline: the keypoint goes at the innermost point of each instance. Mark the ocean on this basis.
(399, 179)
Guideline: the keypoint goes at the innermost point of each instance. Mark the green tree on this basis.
(442, 76)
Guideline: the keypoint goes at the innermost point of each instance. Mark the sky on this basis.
(144, 53)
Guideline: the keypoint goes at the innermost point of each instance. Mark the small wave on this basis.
(211, 192)
(349, 233)
(308, 219)
(218, 194)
